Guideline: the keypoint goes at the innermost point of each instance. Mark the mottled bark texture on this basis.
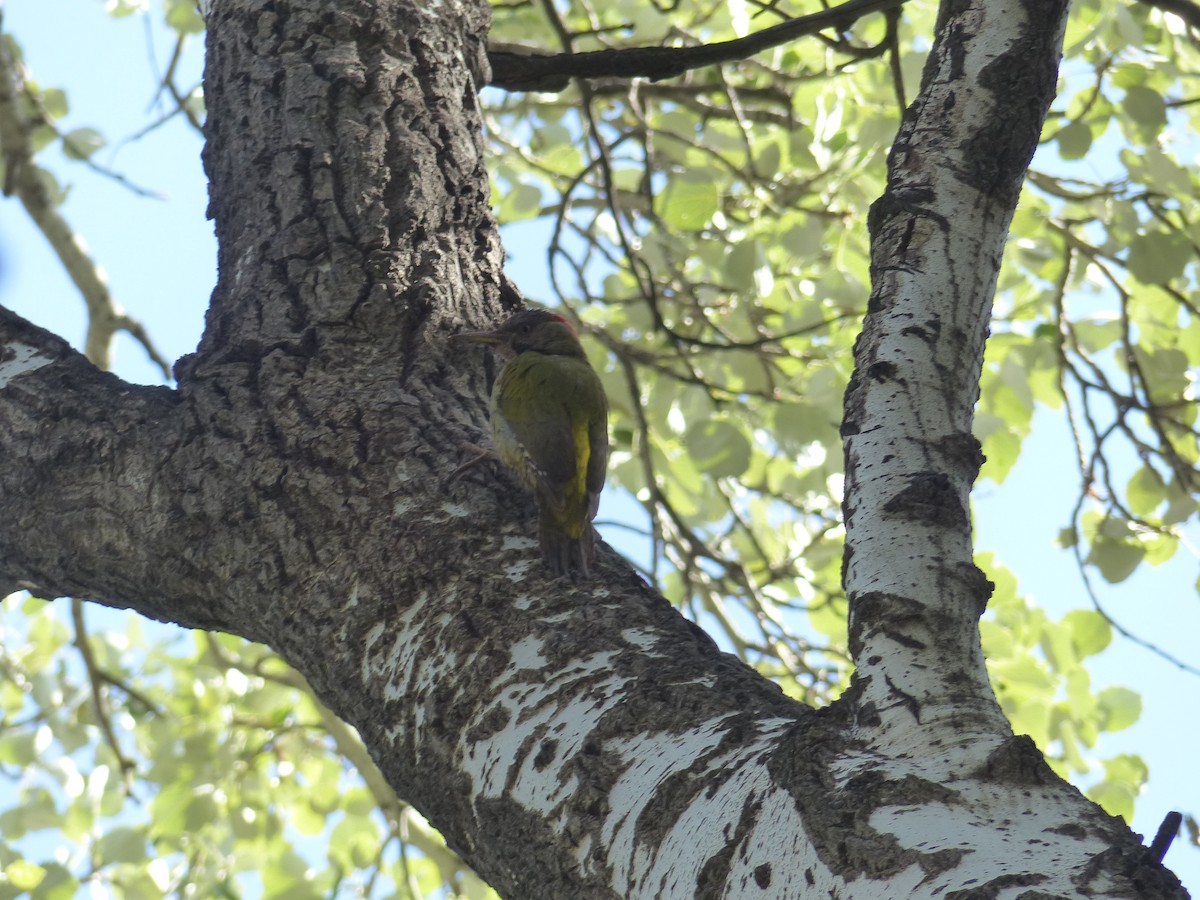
(569, 740)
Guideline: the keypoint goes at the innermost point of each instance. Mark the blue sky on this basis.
(160, 258)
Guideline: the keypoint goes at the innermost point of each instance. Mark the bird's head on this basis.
(536, 330)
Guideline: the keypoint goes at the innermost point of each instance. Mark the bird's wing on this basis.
(597, 433)
(541, 406)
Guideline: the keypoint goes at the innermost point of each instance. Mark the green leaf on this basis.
(1001, 449)
(284, 879)
(1145, 491)
(1074, 141)
(169, 808)
(42, 136)
(51, 186)
(1166, 372)
(801, 423)
(306, 820)
(17, 747)
(59, 884)
(183, 16)
(1116, 799)
(1146, 107)
(719, 448)
(1180, 508)
(354, 842)
(830, 619)
(688, 201)
(1058, 647)
(24, 875)
(358, 802)
(1158, 256)
(1090, 631)
(1124, 776)
(1115, 560)
(1029, 715)
(1121, 707)
(122, 844)
(1025, 671)
(1082, 704)
(1165, 172)
(1068, 740)
(1097, 333)
(54, 101)
(120, 8)
(324, 794)
(804, 238)
(748, 270)
(81, 143)
(1161, 547)
(767, 159)
(1189, 340)
(524, 201)
(36, 812)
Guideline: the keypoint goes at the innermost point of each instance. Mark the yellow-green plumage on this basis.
(549, 421)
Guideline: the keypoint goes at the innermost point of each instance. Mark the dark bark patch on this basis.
(978, 586)
(1022, 82)
(522, 835)
(1017, 761)
(711, 882)
(930, 499)
(992, 889)
(1129, 870)
(927, 332)
(762, 875)
(545, 754)
(838, 819)
(882, 371)
(1071, 829)
(493, 722)
(964, 452)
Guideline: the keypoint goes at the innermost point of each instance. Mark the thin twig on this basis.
(99, 701)
(23, 178)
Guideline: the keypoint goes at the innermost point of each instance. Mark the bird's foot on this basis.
(478, 455)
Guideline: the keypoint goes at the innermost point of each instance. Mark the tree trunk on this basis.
(570, 740)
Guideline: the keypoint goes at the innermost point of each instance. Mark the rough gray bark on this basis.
(569, 740)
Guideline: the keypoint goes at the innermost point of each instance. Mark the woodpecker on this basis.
(549, 419)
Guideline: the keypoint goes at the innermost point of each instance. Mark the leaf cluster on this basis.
(172, 762)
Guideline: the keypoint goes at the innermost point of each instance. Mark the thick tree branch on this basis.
(82, 492)
(952, 189)
(548, 73)
(937, 238)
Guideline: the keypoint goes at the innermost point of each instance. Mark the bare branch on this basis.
(548, 73)
(99, 700)
(23, 178)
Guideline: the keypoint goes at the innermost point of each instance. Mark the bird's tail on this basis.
(564, 554)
